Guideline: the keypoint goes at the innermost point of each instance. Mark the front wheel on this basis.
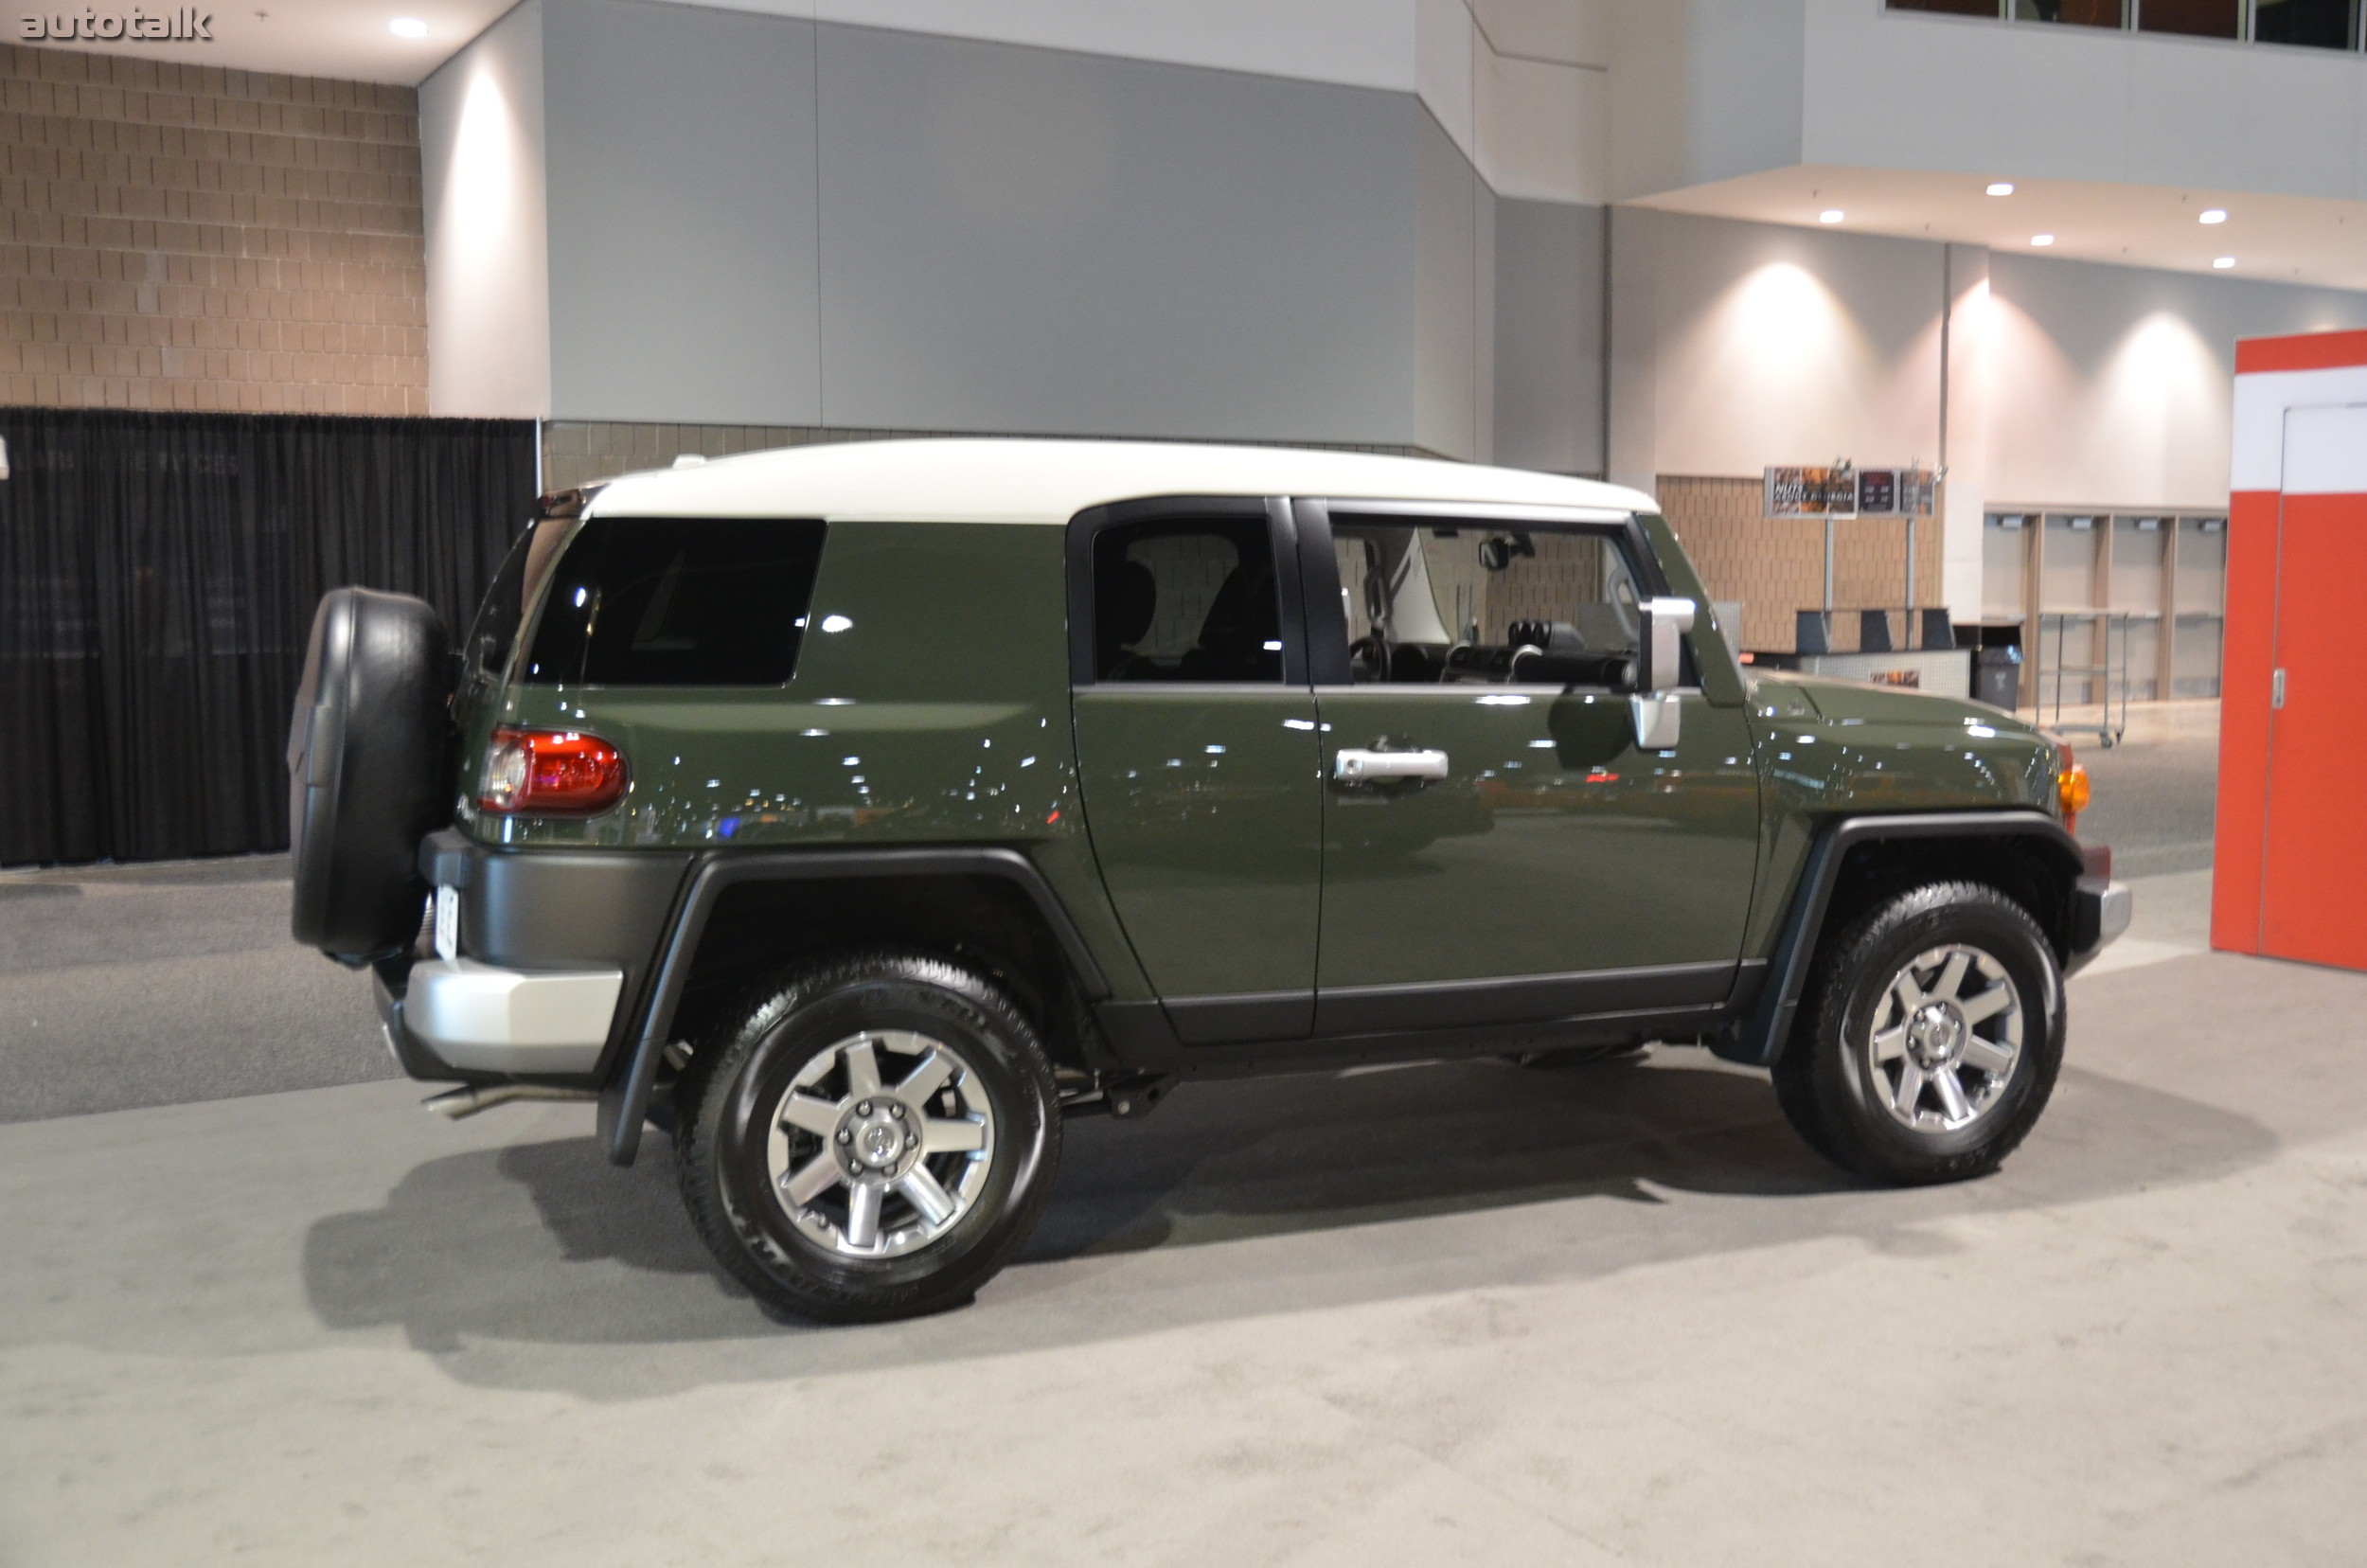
(1929, 1039)
(869, 1139)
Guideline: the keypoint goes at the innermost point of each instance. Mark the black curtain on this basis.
(157, 578)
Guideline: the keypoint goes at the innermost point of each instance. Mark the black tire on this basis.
(1842, 1098)
(368, 771)
(725, 1149)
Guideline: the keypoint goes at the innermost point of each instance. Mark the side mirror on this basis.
(1660, 664)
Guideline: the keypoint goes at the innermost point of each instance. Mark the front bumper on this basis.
(2100, 912)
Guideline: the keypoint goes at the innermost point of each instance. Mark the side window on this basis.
(1186, 600)
(676, 601)
(1430, 604)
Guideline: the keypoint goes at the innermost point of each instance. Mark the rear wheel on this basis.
(1929, 1039)
(869, 1139)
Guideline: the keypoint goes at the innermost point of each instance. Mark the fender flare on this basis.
(1759, 1040)
(625, 1098)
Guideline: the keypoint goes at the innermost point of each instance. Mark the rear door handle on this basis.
(1351, 766)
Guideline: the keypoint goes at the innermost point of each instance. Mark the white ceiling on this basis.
(347, 39)
(2273, 238)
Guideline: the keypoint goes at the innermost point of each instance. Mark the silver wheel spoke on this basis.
(877, 1139)
(952, 1135)
(1951, 1095)
(1910, 994)
(862, 1213)
(1952, 977)
(812, 1178)
(1909, 1089)
(1891, 1045)
(1988, 1004)
(925, 1079)
(921, 1190)
(812, 1114)
(1988, 1056)
(863, 1069)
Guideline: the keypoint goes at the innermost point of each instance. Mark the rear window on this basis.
(676, 601)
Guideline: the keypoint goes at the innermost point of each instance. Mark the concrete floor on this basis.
(1432, 1314)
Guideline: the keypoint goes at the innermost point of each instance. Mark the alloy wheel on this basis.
(880, 1144)
(1944, 1039)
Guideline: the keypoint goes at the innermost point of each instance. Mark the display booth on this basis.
(2291, 861)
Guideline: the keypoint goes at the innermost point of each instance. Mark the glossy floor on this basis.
(1430, 1314)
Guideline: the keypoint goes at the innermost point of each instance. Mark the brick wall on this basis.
(182, 236)
(1776, 566)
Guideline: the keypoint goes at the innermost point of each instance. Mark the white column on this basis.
(1967, 381)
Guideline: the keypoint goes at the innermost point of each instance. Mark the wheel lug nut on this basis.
(895, 1110)
(845, 1137)
(864, 1110)
(911, 1142)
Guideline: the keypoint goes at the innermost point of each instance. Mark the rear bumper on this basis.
(459, 1019)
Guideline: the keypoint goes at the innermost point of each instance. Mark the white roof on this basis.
(1038, 481)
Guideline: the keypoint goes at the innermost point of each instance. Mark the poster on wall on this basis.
(1846, 490)
(1812, 491)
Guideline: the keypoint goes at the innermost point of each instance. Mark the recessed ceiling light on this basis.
(1830, 215)
(2042, 239)
(2223, 261)
(407, 27)
(2215, 215)
(2001, 187)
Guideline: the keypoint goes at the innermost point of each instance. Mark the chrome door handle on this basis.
(1351, 766)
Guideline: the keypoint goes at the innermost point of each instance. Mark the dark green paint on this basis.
(1553, 846)
(1207, 819)
(1830, 748)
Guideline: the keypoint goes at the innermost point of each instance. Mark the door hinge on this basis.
(2276, 689)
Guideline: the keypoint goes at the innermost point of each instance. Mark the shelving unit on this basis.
(2116, 607)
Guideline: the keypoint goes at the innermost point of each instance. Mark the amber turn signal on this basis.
(2070, 789)
(550, 773)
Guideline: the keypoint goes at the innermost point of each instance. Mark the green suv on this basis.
(854, 814)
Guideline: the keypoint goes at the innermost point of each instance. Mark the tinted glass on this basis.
(677, 601)
(2319, 24)
(1431, 604)
(2201, 18)
(1186, 600)
(2075, 14)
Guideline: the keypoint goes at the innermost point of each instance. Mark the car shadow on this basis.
(536, 1265)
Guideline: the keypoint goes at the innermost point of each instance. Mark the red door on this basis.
(2313, 883)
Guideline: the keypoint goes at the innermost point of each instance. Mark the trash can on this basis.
(1997, 676)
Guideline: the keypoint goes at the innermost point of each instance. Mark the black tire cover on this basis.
(368, 776)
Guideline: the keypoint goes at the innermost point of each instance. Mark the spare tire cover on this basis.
(368, 750)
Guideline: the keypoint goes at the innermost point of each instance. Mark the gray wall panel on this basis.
(1447, 335)
(682, 250)
(1549, 332)
(1018, 240)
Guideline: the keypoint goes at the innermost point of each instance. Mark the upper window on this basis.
(1187, 599)
(2317, 23)
(676, 601)
(1430, 604)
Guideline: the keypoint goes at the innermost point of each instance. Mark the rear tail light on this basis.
(2070, 788)
(550, 773)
